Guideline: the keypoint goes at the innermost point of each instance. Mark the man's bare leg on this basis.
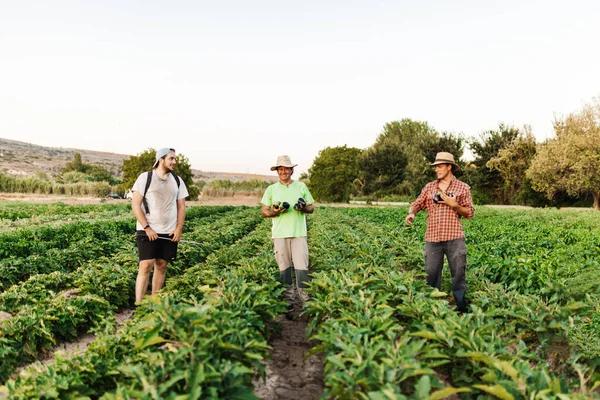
(160, 271)
(141, 282)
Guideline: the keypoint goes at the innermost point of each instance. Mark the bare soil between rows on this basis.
(290, 374)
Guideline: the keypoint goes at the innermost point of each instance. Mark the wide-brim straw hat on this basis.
(283, 161)
(444, 158)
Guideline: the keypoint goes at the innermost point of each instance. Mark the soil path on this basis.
(289, 374)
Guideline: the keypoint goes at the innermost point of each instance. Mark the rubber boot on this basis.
(301, 280)
(461, 301)
(285, 277)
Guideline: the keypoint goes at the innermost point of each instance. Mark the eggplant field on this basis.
(532, 330)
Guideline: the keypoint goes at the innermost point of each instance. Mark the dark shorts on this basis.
(159, 248)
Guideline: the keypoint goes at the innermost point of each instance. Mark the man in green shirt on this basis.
(289, 226)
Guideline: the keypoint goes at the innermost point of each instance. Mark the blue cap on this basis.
(160, 153)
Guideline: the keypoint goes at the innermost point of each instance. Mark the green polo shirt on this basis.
(291, 223)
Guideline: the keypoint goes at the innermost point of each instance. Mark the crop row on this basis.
(42, 322)
(24, 211)
(385, 334)
(382, 331)
(71, 245)
(204, 336)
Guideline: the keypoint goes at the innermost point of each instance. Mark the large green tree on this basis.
(144, 161)
(382, 167)
(512, 162)
(415, 144)
(333, 172)
(488, 185)
(570, 161)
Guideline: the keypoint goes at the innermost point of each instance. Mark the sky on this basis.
(233, 84)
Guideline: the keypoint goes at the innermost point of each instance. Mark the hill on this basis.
(27, 159)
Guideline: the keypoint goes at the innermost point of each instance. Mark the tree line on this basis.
(509, 166)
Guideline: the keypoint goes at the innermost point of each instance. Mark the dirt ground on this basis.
(289, 373)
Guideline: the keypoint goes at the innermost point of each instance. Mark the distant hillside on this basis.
(26, 159)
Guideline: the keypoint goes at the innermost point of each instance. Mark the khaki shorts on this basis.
(291, 251)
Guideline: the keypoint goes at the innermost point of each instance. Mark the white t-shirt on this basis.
(162, 196)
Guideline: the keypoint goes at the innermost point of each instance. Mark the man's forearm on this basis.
(180, 216)
(463, 211)
(268, 213)
(139, 215)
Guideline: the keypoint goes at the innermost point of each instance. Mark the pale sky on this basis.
(233, 84)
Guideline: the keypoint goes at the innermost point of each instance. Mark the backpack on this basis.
(148, 181)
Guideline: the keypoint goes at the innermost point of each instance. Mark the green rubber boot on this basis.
(301, 280)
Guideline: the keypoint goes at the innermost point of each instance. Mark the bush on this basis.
(225, 188)
(72, 177)
(194, 192)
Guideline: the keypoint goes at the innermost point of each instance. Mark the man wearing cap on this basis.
(289, 231)
(159, 207)
(446, 200)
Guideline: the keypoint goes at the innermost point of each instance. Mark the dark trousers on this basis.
(456, 253)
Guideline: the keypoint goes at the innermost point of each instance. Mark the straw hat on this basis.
(283, 161)
(444, 158)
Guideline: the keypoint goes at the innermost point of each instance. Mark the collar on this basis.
(451, 181)
(160, 176)
(283, 184)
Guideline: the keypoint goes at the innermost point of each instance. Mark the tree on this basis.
(333, 172)
(75, 165)
(488, 184)
(416, 144)
(96, 173)
(92, 173)
(570, 161)
(512, 163)
(135, 165)
(382, 167)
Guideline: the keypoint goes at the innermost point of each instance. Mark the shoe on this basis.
(290, 312)
(462, 306)
(304, 297)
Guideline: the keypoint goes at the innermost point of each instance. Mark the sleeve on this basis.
(140, 183)
(466, 200)
(307, 196)
(183, 191)
(267, 198)
(421, 202)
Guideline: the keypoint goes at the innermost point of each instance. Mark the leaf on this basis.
(449, 391)
(496, 390)
(425, 334)
(423, 387)
(437, 294)
(147, 342)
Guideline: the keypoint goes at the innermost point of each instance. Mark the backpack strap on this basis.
(148, 181)
(144, 201)
(176, 179)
